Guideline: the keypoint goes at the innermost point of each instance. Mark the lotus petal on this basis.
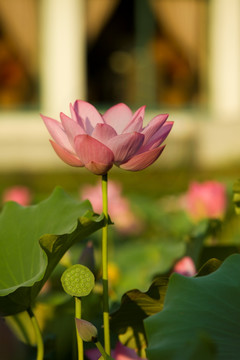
(90, 150)
(87, 114)
(57, 132)
(159, 137)
(118, 116)
(153, 126)
(103, 133)
(98, 168)
(143, 160)
(71, 128)
(137, 121)
(75, 116)
(125, 146)
(66, 156)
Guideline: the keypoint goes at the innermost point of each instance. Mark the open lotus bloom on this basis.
(118, 137)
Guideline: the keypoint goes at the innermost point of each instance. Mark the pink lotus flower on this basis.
(118, 137)
(118, 206)
(206, 200)
(120, 352)
(185, 267)
(19, 194)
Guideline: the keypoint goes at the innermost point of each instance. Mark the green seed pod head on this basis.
(77, 280)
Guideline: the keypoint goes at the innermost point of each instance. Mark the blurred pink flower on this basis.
(185, 267)
(118, 206)
(120, 352)
(205, 200)
(118, 137)
(19, 194)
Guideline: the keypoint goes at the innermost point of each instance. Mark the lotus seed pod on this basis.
(78, 280)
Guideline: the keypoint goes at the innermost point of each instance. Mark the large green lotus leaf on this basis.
(32, 241)
(196, 309)
(135, 306)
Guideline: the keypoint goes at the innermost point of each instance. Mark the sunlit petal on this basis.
(90, 150)
(137, 121)
(159, 137)
(88, 114)
(66, 156)
(153, 126)
(71, 127)
(57, 132)
(124, 146)
(98, 168)
(103, 133)
(118, 116)
(143, 160)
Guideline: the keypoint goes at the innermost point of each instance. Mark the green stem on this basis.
(102, 351)
(78, 314)
(105, 267)
(39, 339)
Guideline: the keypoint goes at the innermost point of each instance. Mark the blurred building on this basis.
(175, 56)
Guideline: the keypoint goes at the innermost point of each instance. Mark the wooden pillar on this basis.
(62, 54)
(224, 61)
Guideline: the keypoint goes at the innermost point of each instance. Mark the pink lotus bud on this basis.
(118, 137)
(86, 330)
(206, 200)
(185, 267)
(19, 194)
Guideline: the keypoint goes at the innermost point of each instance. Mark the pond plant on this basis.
(190, 308)
(89, 139)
